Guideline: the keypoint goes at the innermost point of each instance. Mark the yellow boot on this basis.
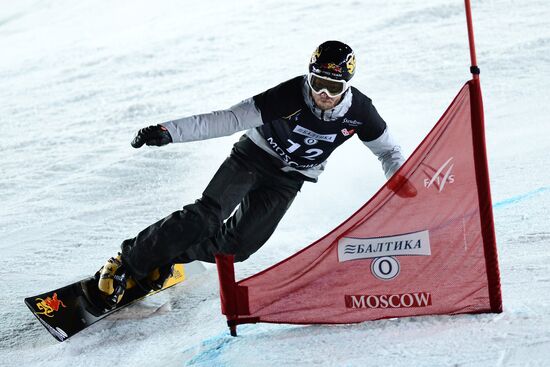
(113, 280)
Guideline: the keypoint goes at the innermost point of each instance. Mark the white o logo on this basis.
(310, 141)
(385, 268)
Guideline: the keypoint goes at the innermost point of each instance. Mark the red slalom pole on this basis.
(482, 174)
(474, 69)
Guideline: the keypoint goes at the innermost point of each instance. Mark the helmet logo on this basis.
(350, 63)
(332, 67)
(315, 55)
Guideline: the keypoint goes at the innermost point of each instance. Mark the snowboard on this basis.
(68, 310)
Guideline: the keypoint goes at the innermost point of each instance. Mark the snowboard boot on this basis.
(113, 281)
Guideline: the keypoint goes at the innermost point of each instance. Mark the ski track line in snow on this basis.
(518, 198)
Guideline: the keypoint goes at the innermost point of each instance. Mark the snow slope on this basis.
(79, 78)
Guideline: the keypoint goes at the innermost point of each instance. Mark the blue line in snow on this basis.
(211, 350)
(518, 198)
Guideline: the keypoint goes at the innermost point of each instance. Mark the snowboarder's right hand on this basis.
(402, 187)
(152, 135)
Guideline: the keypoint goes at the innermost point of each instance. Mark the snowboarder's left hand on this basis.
(402, 187)
(152, 135)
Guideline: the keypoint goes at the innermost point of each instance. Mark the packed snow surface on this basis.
(78, 78)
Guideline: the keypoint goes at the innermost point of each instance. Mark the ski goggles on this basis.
(332, 87)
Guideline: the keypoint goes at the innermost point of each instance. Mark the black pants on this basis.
(248, 177)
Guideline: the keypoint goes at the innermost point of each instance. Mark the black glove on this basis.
(152, 135)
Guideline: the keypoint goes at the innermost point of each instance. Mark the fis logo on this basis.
(49, 305)
(439, 178)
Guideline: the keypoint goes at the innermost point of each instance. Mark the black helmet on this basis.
(333, 59)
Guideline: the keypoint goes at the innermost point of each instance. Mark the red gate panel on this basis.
(434, 253)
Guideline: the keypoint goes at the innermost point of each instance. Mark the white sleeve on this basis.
(242, 116)
(387, 151)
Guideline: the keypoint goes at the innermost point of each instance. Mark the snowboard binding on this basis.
(113, 281)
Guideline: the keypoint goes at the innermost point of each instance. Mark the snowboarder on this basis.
(291, 130)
